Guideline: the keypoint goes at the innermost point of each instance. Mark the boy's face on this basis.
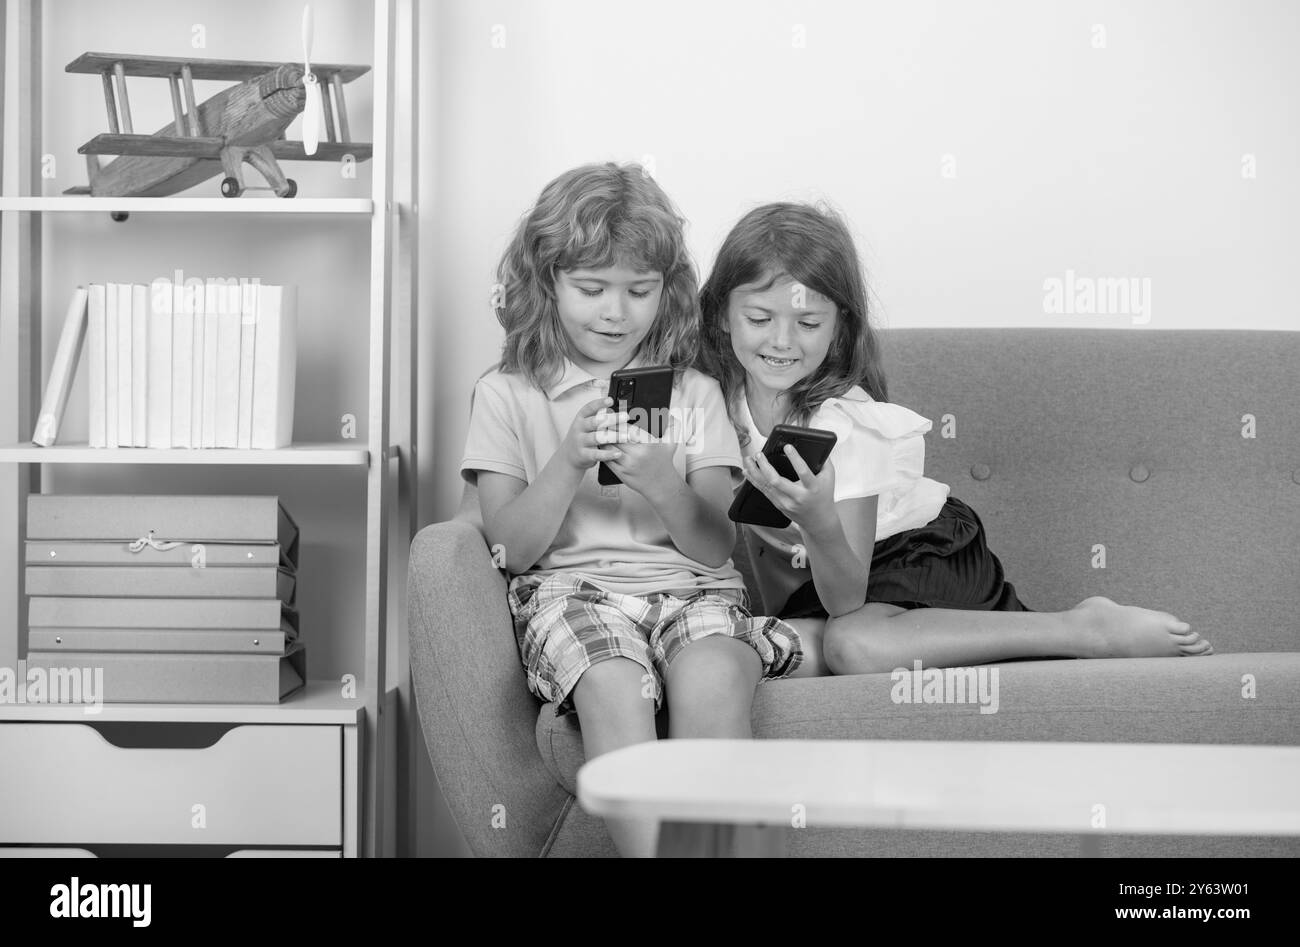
(606, 313)
(780, 334)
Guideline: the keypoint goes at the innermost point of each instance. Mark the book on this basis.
(132, 676)
(111, 350)
(118, 552)
(95, 365)
(228, 337)
(184, 640)
(262, 614)
(275, 366)
(159, 385)
(211, 325)
(188, 519)
(247, 344)
(162, 582)
(182, 359)
(125, 370)
(195, 297)
(139, 365)
(59, 383)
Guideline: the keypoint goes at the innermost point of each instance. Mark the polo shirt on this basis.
(611, 536)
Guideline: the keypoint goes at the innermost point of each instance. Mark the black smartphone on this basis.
(645, 394)
(814, 446)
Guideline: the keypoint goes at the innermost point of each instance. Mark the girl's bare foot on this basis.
(1111, 630)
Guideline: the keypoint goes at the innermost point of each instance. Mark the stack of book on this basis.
(179, 599)
(193, 363)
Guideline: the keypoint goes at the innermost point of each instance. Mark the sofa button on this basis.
(1139, 474)
(981, 472)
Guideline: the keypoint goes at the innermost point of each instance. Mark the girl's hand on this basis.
(593, 435)
(809, 501)
(647, 463)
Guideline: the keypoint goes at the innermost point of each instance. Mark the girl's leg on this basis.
(710, 688)
(613, 714)
(811, 632)
(880, 637)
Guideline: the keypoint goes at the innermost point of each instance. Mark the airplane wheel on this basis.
(293, 188)
(118, 216)
(230, 187)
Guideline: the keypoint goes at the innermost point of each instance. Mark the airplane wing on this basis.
(168, 146)
(223, 70)
(158, 146)
(325, 150)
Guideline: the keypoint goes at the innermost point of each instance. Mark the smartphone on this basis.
(645, 394)
(814, 446)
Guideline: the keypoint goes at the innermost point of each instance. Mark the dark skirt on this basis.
(944, 564)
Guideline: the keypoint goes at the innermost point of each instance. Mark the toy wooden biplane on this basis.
(245, 122)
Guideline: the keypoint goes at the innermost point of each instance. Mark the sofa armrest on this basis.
(477, 715)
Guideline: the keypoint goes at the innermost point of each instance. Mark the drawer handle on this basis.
(159, 735)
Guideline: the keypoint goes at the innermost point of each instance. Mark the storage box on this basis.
(146, 522)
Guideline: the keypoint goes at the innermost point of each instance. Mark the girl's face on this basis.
(606, 313)
(780, 334)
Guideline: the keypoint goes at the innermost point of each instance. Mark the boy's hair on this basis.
(813, 247)
(594, 216)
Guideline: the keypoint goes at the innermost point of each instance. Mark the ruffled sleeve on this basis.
(879, 448)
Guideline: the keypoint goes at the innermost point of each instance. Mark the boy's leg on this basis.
(613, 714)
(710, 688)
(712, 653)
(585, 646)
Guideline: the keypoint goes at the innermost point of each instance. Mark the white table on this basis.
(716, 797)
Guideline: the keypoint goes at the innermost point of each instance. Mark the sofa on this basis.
(1158, 468)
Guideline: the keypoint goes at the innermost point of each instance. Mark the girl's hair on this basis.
(813, 247)
(594, 216)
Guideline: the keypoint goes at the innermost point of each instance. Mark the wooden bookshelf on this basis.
(390, 214)
(295, 455)
(317, 702)
(345, 206)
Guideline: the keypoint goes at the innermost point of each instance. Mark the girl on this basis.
(618, 593)
(899, 569)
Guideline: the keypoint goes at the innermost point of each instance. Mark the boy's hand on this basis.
(593, 435)
(809, 501)
(647, 462)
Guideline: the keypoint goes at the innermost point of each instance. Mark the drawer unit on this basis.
(65, 784)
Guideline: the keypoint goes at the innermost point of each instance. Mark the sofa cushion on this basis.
(1129, 700)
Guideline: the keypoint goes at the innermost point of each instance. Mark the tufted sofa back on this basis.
(1158, 468)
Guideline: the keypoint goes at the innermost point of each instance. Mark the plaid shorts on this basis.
(565, 624)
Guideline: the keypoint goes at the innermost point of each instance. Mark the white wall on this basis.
(1121, 161)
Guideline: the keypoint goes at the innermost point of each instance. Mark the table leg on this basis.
(720, 840)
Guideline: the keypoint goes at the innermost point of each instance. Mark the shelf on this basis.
(319, 702)
(297, 455)
(360, 206)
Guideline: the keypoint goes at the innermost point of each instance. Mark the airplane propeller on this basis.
(313, 107)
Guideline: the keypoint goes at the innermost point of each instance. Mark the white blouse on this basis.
(879, 451)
